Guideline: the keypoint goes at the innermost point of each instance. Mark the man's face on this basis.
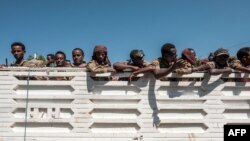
(170, 56)
(60, 60)
(246, 60)
(100, 56)
(77, 57)
(50, 59)
(17, 52)
(221, 59)
(138, 61)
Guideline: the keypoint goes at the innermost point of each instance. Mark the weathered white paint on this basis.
(146, 109)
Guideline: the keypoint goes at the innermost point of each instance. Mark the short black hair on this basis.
(166, 48)
(18, 44)
(61, 52)
(243, 52)
(51, 55)
(78, 49)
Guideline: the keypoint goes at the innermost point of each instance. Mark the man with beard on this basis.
(100, 62)
(219, 64)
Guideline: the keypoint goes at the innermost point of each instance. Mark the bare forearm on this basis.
(220, 71)
(144, 70)
(121, 66)
(243, 69)
(201, 68)
(159, 73)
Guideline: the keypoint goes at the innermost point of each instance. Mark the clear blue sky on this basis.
(46, 26)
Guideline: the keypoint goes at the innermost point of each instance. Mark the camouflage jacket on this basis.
(160, 63)
(93, 66)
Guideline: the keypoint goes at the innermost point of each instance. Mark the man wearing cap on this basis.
(219, 64)
(135, 63)
(163, 65)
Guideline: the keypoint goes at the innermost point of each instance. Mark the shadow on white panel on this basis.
(181, 114)
(179, 91)
(114, 128)
(236, 91)
(43, 127)
(116, 90)
(182, 128)
(115, 113)
(44, 90)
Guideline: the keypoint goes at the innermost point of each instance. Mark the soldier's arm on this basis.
(202, 68)
(220, 71)
(236, 64)
(120, 66)
(159, 73)
(243, 69)
(142, 70)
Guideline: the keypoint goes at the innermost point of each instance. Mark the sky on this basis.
(47, 26)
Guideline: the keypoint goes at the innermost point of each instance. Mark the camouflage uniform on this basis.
(30, 63)
(234, 62)
(198, 62)
(83, 65)
(34, 63)
(51, 65)
(180, 68)
(213, 65)
(186, 68)
(93, 66)
(19, 65)
(160, 63)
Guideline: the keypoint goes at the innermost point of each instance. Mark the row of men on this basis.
(217, 63)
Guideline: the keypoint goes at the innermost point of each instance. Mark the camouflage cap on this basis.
(136, 54)
(221, 51)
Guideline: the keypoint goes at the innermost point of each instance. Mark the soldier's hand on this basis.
(135, 68)
(131, 76)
